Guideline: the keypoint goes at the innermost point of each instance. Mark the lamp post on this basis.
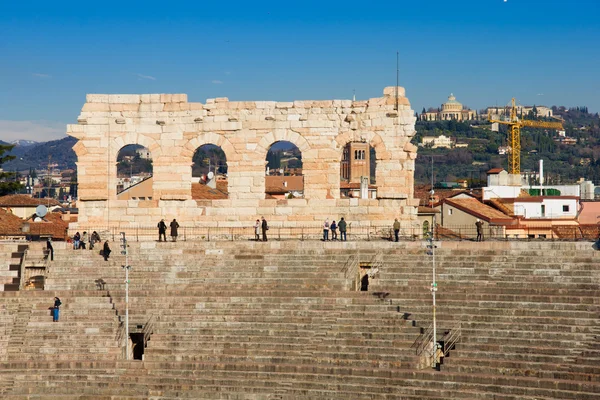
(431, 246)
(125, 252)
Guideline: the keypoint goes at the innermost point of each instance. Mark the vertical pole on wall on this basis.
(125, 252)
(397, 77)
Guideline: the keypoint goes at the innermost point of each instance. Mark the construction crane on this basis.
(514, 135)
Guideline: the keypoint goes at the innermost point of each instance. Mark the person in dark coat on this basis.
(94, 238)
(106, 251)
(56, 309)
(265, 228)
(342, 228)
(50, 249)
(162, 230)
(174, 225)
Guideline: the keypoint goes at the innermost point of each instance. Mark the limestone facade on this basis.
(171, 128)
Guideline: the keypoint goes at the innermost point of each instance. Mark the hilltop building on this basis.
(450, 110)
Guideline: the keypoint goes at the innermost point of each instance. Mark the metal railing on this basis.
(451, 338)
(148, 330)
(351, 271)
(22, 270)
(355, 232)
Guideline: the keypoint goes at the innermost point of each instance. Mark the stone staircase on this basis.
(11, 254)
(280, 321)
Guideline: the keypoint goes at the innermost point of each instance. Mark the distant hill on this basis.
(24, 142)
(36, 155)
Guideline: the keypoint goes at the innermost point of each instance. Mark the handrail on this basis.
(120, 336)
(452, 338)
(22, 270)
(376, 264)
(350, 270)
(148, 329)
(423, 340)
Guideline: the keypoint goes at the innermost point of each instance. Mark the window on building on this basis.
(449, 211)
(565, 208)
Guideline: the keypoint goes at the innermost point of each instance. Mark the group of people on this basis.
(261, 226)
(333, 227)
(80, 241)
(162, 230)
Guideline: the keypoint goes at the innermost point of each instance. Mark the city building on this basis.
(356, 162)
(522, 111)
(437, 142)
(450, 110)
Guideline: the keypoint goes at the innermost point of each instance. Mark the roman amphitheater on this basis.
(225, 317)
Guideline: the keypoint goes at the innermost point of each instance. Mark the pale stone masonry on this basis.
(172, 129)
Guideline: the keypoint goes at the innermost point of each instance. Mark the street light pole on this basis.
(125, 252)
(433, 282)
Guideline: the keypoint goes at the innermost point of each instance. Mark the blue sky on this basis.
(484, 51)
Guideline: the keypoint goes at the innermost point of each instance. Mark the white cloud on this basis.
(217, 82)
(43, 76)
(40, 131)
(148, 77)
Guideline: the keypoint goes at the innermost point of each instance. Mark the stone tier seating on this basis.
(279, 321)
(10, 262)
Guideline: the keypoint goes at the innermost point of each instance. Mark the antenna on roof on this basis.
(397, 77)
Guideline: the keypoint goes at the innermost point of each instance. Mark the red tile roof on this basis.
(275, 184)
(494, 171)
(202, 192)
(10, 224)
(480, 210)
(23, 200)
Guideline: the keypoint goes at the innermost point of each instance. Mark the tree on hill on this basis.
(6, 185)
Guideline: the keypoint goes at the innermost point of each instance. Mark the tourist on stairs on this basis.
(326, 230)
(342, 227)
(257, 230)
(333, 230)
(106, 251)
(265, 228)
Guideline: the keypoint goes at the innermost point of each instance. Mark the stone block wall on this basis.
(172, 129)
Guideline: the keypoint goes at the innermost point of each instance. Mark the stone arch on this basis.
(198, 140)
(281, 135)
(117, 143)
(372, 138)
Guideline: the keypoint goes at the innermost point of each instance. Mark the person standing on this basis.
(479, 226)
(84, 240)
(162, 230)
(257, 231)
(174, 226)
(106, 251)
(342, 228)
(56, 309)
(333, 230)
(326, 230)
(396, 228)
(264, 228)
(50, 249)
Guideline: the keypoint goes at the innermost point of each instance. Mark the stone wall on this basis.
(172, 129)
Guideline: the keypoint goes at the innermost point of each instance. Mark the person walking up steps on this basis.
(162, 230)
(56, 309)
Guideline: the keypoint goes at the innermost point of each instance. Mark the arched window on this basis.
(209, 173)
(283, 173)
(425, 228)
(134, 173)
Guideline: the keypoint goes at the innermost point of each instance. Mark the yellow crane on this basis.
(514, 135)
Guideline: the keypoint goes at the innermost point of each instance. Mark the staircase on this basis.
(281, 320)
